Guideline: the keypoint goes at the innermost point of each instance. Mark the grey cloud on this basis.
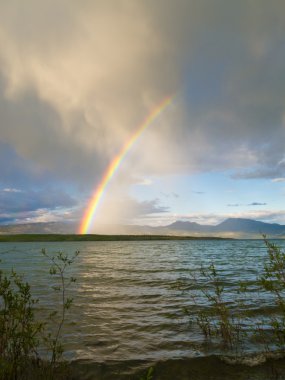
(149, 207)
(272, 171)
(127, 210)
(233, 71)
(11, 190)
(278, 179)
(72, 94)
(234, 205)
(137, 208)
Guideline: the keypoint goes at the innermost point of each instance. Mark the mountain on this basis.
(232, 227)
(180, 225)
(250, 226)
(39, 228)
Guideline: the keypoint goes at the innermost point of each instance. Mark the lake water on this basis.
(129, 300)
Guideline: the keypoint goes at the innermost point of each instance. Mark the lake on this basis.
(136, 306)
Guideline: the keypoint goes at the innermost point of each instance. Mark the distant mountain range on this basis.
(235, 227)
(232, 227)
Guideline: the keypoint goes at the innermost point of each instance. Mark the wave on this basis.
(261, 366)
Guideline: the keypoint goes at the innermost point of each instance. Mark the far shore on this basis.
(95, 237)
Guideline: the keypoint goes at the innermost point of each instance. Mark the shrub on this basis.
(273, 281)
(19, 331)
(22, 335)
(218, 320)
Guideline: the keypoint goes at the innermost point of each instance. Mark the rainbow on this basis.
(90, 212)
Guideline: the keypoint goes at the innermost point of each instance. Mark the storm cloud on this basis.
(77, 78)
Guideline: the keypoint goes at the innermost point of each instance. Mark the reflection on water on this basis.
(127, 307)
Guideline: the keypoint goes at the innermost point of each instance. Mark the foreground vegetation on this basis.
(227, 322)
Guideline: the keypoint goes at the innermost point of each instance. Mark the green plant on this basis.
(273, 281)
(59, 263)
(18, 328)
(148, 375)
(218, 320)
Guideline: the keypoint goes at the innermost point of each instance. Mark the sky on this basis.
(77, 78)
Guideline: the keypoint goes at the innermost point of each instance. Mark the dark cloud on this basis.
(169, 195)
(6, 219)
(249, 204)
(26, 201)
(17, 171)
(257, 204)
(35, 145)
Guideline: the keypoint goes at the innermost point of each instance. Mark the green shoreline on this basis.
(95, 237)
